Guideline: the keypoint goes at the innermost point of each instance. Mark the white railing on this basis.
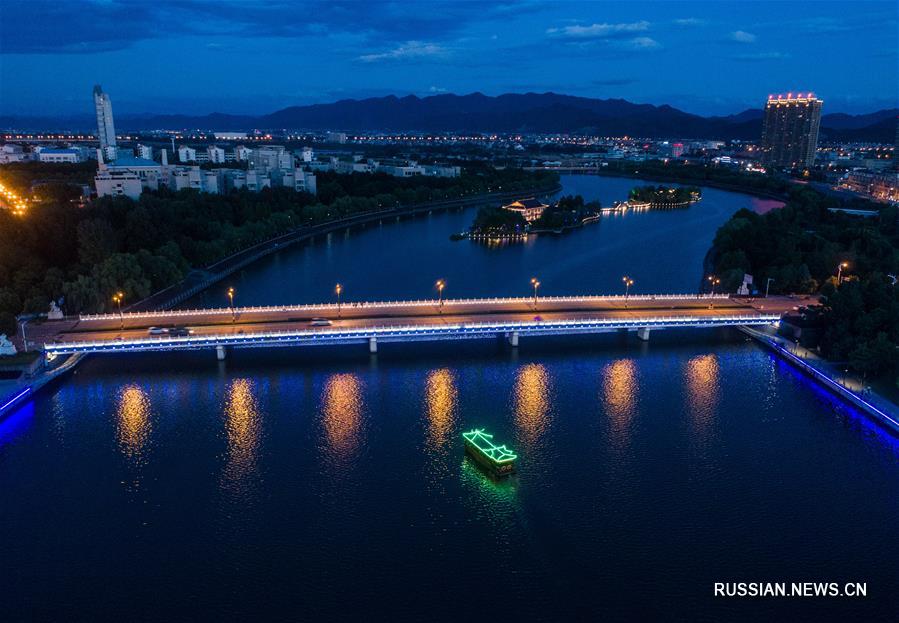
(212, 311)
(399, 331)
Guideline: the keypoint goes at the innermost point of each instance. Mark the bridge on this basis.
(399, 321)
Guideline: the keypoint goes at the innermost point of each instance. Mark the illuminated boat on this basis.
(498, 460)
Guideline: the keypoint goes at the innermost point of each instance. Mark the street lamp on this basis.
(536, 283)
(768, 285)
(714, 281)
(337, 290)
(628, 282)
(440, 285)
(231, 303)
(117, 299)
(840, 268)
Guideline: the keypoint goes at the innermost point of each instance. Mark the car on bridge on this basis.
(157, 331)
(320, 322)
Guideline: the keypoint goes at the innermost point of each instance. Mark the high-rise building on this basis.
(105, 126)
(790, 130)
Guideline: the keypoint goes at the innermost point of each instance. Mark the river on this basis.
(331, 484)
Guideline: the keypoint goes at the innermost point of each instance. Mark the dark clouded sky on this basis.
(244, 56)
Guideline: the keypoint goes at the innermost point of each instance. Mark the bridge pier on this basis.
(373, 345)
(513, 339)
(220, 353)
(643, 334)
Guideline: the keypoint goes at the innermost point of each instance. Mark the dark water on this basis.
(331, 485)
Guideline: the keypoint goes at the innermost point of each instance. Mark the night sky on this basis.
(202, 56)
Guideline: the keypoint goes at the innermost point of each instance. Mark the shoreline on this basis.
(876, 406)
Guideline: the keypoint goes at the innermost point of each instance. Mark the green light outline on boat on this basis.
(482, 441)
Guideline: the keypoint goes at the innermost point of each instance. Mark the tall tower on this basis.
(105, 126)
(790, 130)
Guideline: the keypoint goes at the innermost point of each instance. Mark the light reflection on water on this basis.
(133, 423)
(532, 402)
(342, 400)
(703, 387)
(243, 425)
(440, 406)
(619, 393)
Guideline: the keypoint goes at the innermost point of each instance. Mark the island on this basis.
(663, 197)
(516, 220)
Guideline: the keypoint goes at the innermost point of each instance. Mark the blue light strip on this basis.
(12, 401)
(833, 385)
(400, 332)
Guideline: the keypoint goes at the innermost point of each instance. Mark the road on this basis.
(418, 313)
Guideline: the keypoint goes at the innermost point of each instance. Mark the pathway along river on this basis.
(332, 484)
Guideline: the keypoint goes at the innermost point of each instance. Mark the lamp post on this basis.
(628, 282)
(337, 290)
(536, 283)
(768, 285)
(117, 299)
(231, 303)
(440, 285)
(714, 281)
(840, 268)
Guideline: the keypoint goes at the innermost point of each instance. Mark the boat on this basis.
(498, 460)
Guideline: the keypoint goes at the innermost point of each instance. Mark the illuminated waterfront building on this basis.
(790, 130)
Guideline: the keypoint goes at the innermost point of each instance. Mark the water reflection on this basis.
(440, 402)
(531, 399)
(133, 422)
(702, 388)
(342, 413)
(243, 430)
(620, 393)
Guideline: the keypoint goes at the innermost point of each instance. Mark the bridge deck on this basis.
(402, 321)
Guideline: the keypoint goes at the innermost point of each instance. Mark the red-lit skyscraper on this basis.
(790, 130)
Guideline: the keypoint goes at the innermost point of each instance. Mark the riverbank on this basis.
(847, 387)
(201, 279)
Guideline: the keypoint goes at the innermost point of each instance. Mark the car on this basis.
(538, 318)
(157, 331)
(320, 322)
(179, 332)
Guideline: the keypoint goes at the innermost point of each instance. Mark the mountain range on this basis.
(514, 112)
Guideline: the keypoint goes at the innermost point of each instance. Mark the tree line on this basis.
(82, 256)
(801, 247)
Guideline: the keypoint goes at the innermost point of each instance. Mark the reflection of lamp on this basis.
(702, 386)
(620, 389)
(242, 428)
(440, 400)
(133, 418)
(342, 412)
(532, 401)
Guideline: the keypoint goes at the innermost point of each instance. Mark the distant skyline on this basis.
(247, 57)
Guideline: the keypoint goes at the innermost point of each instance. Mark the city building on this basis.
(216, 154)
(241, 153)
(307, 155)
(144, 151)
(105, 125)
(71, 154)
(13, 153)
(336, 137)
(530, 208)
(187, 154)
(790, 130)
(881, 186)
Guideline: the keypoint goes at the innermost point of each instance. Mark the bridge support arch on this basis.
(372, 344)
(643, 334)
(513, 339)
(220, 353)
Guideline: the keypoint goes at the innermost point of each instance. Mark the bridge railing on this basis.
(338, 335)
(211, 311)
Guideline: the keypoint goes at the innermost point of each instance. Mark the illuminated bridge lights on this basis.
(403, 333)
